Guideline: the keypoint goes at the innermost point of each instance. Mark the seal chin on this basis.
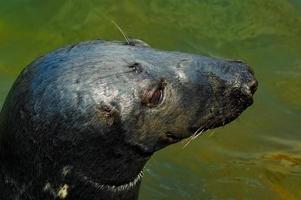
(171, 138)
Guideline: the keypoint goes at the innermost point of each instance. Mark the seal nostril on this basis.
(253, 86)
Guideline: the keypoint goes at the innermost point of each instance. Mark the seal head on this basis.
(100, 109)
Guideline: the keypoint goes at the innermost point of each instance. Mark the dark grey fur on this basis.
(82, 120)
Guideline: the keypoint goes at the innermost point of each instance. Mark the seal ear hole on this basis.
(154, 96)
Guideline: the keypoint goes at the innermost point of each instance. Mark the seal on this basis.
(81, 122)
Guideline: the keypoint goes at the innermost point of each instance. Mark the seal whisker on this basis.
(199, 133)
(189, 140)
(192, 137)
(212, 133)
(122, 32)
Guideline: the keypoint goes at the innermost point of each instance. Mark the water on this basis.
(256, 157)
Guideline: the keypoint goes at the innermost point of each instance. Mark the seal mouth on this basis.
(171, 137)
(215, 122)
(220, 118)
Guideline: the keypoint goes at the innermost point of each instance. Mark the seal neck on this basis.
(113, 188)
(93, 189)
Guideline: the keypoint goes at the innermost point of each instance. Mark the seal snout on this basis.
(248, 90)
(243, 83)
(249, 87)
(253, 84)
(233, 86)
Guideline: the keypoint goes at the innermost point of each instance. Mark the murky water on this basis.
(256, 157)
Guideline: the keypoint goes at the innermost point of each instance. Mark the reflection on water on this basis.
(256, 157)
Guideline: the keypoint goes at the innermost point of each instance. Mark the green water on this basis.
(256, 157)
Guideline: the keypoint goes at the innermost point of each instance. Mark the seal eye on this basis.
(154, 96)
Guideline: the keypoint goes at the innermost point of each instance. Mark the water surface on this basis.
(256, 157)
